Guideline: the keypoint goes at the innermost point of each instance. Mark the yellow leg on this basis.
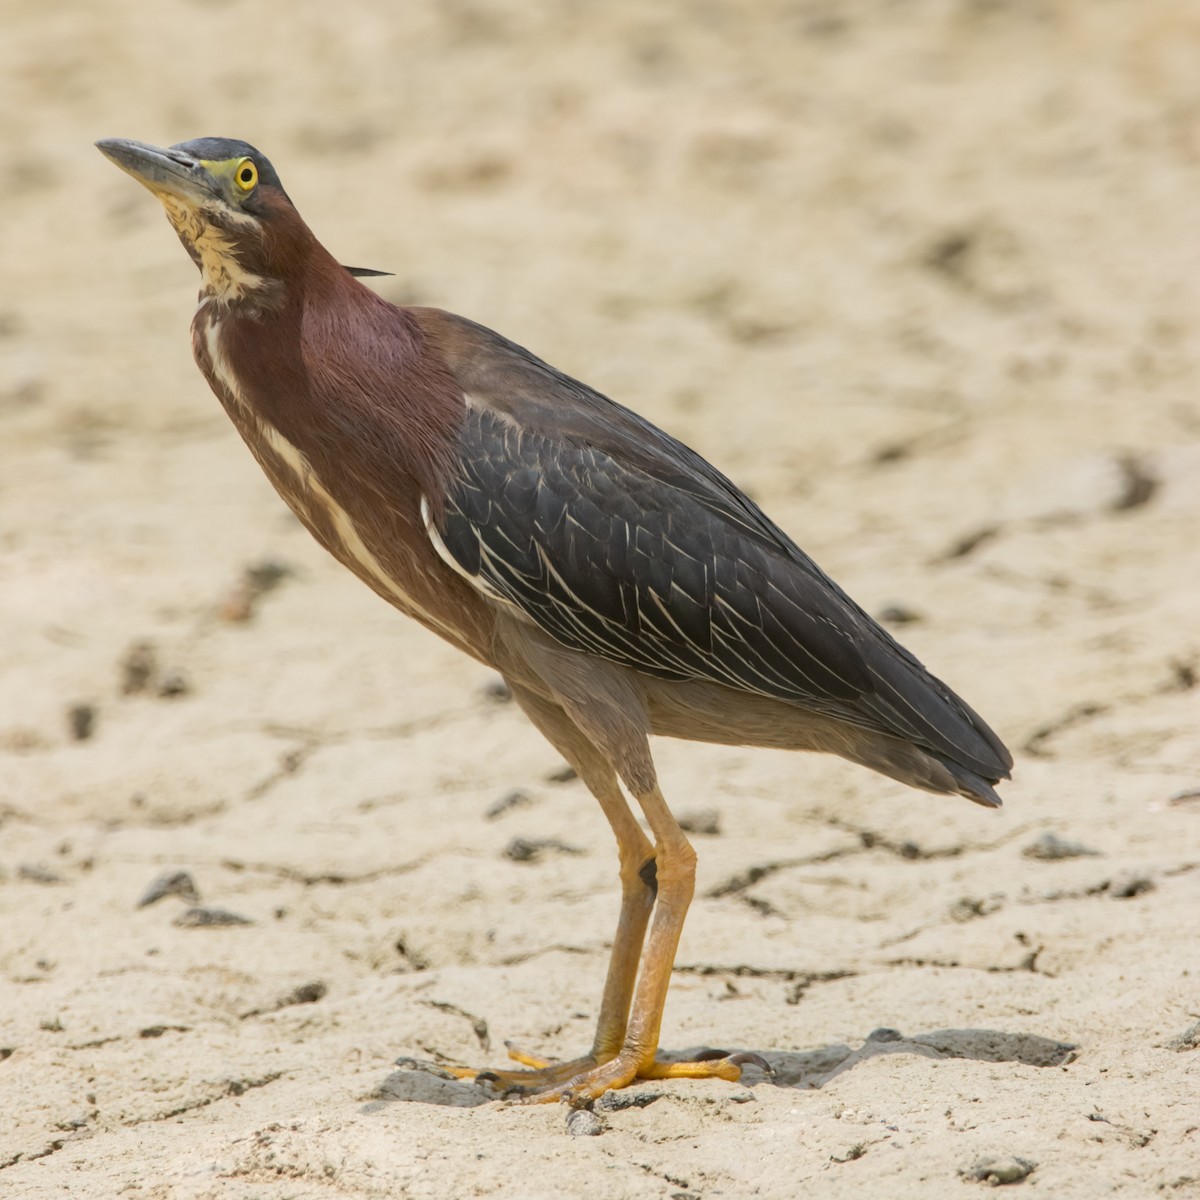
(659, 879)
(637, 1058)
(638, 886)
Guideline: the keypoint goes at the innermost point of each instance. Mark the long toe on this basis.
(544, 1074)
(713, 1064)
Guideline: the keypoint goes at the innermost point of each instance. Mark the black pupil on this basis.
(247, 175)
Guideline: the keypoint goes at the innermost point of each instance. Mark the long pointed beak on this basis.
(164, 172)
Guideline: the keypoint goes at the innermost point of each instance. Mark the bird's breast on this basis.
(396, 562)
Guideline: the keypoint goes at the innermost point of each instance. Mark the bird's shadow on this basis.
(420, 1082)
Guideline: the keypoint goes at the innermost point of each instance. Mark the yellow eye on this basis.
(245, 175)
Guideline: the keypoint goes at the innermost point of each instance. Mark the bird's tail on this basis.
(973, 786)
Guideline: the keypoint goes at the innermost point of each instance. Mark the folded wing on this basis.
(620, 542)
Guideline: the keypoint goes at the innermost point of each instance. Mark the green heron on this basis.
(619, 583)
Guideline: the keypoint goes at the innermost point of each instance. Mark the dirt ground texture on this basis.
(924, 277)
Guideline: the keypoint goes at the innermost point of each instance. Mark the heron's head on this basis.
(226, 203)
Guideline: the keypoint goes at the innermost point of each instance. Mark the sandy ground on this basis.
(925, 277)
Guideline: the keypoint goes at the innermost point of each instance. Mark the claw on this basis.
(756, 1060)
(708, 1054)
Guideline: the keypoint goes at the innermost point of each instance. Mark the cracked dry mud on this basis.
(926, 280)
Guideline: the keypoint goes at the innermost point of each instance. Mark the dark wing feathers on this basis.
(622, 542)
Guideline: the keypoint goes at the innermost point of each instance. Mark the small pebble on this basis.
(885, 1035)
(854, 1153)
(37, 874)
(1129, 884)
(629, 1098)
(1189, 1039)
(306, 993)
(170, 883)
(530, 849)
(969, 907)
(968, 543)
(564, 774)
(138, 667)
(81, 720)
(197, 918)
(497, 691)
(172, 684)
(1049, 847)
(706, 821)
(267, 575)
(582, 1122)
(507, 802)
(899, 614)
(999, 1169)
(71, 1124)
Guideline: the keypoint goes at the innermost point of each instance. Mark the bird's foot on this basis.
(628, 1067)
(580, 1081)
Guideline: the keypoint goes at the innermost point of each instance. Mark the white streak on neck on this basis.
(217, 360)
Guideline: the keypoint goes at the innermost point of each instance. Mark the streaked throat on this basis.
(213, 249)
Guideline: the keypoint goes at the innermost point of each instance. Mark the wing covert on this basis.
(610, 561)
